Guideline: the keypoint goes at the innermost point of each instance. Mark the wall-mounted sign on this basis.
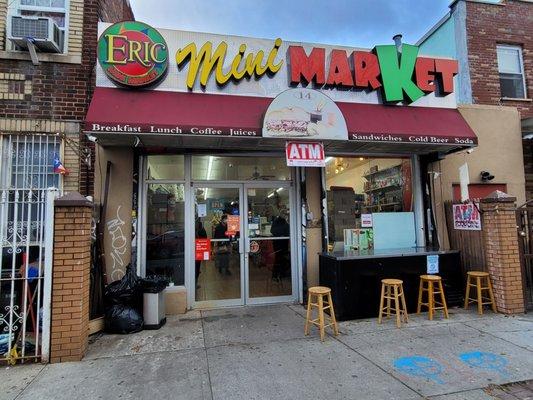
(304, 113)
(202, 249)
(133, 54)
(305, 154)
(466, 217)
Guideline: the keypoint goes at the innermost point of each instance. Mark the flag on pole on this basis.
(59, 168)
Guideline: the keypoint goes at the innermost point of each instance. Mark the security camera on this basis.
(486, 176)
(470, 151)
(92, 138)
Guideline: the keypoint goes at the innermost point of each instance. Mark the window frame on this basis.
(15, 8)
(522, 70)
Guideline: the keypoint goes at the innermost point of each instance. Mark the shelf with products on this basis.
(372, 173)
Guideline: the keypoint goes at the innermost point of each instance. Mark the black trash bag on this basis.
(121, 318)
(124, 291)
(154, 284)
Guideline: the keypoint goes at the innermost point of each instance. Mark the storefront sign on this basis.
(433, 264)
(305, 154)
(133, 54)
(202, 249)
(304, 113)
(466, 217)
(366, 220)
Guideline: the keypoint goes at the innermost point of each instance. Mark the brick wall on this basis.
(488, 25)
(500, 243)
(61, 87)
(70, 280)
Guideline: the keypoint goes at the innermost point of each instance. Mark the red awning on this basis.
(121, 111)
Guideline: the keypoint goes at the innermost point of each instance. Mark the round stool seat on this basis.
(479, 274)
(319, 290)
(392, 281)
(433, 278)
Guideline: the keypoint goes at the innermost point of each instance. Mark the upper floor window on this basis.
(54, 9)
(511, 69)
(46, 21)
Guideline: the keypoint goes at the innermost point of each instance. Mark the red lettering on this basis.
(425, 74)
(339, 69)
(366, 68)
(447, 69)
(307, 67)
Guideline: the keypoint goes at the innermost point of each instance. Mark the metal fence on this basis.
(525, 235)
(26, 236)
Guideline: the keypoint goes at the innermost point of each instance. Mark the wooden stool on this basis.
(320, 292)
(431, 280)
(474, 278)
(392, 289)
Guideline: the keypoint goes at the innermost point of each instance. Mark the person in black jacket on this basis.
(223, 249)
(280, 228)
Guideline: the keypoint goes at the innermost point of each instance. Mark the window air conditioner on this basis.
(42, 31)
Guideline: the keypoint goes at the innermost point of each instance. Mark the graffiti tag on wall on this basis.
(118, 245)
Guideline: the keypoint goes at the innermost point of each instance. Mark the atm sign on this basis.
(305, 154)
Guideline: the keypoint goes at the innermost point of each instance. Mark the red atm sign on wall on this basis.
(305, 154)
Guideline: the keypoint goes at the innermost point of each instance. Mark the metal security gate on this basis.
(27, 192)
(525, 236)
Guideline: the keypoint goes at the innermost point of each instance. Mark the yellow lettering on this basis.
(238, 75)
(153, 53)
(112, 47)
(205, 61)
(135, 47)
(273, 68)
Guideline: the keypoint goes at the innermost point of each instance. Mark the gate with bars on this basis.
(524, 216)
(28, 188)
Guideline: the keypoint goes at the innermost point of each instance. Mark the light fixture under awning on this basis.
(196, 120)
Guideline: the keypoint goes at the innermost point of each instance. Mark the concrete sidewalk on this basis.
(261, 353)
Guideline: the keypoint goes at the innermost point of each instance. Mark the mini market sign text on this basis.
(134, 54)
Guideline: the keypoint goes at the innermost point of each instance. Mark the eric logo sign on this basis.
(133, 54)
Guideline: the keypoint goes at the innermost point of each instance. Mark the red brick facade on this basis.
(500, 241)
(61, 91)
(488, 25)
(71, 276)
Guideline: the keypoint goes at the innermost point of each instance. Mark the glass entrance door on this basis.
(218, 248)
(242, 250)
(268, 254)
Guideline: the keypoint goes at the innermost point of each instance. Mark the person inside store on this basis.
(200, 234)
(223, 249)
(280, 228)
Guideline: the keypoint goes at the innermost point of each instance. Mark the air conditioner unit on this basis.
(42, 31)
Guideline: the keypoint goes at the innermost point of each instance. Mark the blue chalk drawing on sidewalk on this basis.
(420, 366)
(484, 360)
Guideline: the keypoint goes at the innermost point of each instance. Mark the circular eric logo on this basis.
(133, 54)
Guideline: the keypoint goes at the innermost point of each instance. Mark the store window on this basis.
(511, 70)
(165, 231)
(170, 167)
(240, 168)
(55, 10)
(26, 171)
(369, 203)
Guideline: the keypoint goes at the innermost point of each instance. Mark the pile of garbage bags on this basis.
(123, 301)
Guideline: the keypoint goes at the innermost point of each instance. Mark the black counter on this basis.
(355, 277)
